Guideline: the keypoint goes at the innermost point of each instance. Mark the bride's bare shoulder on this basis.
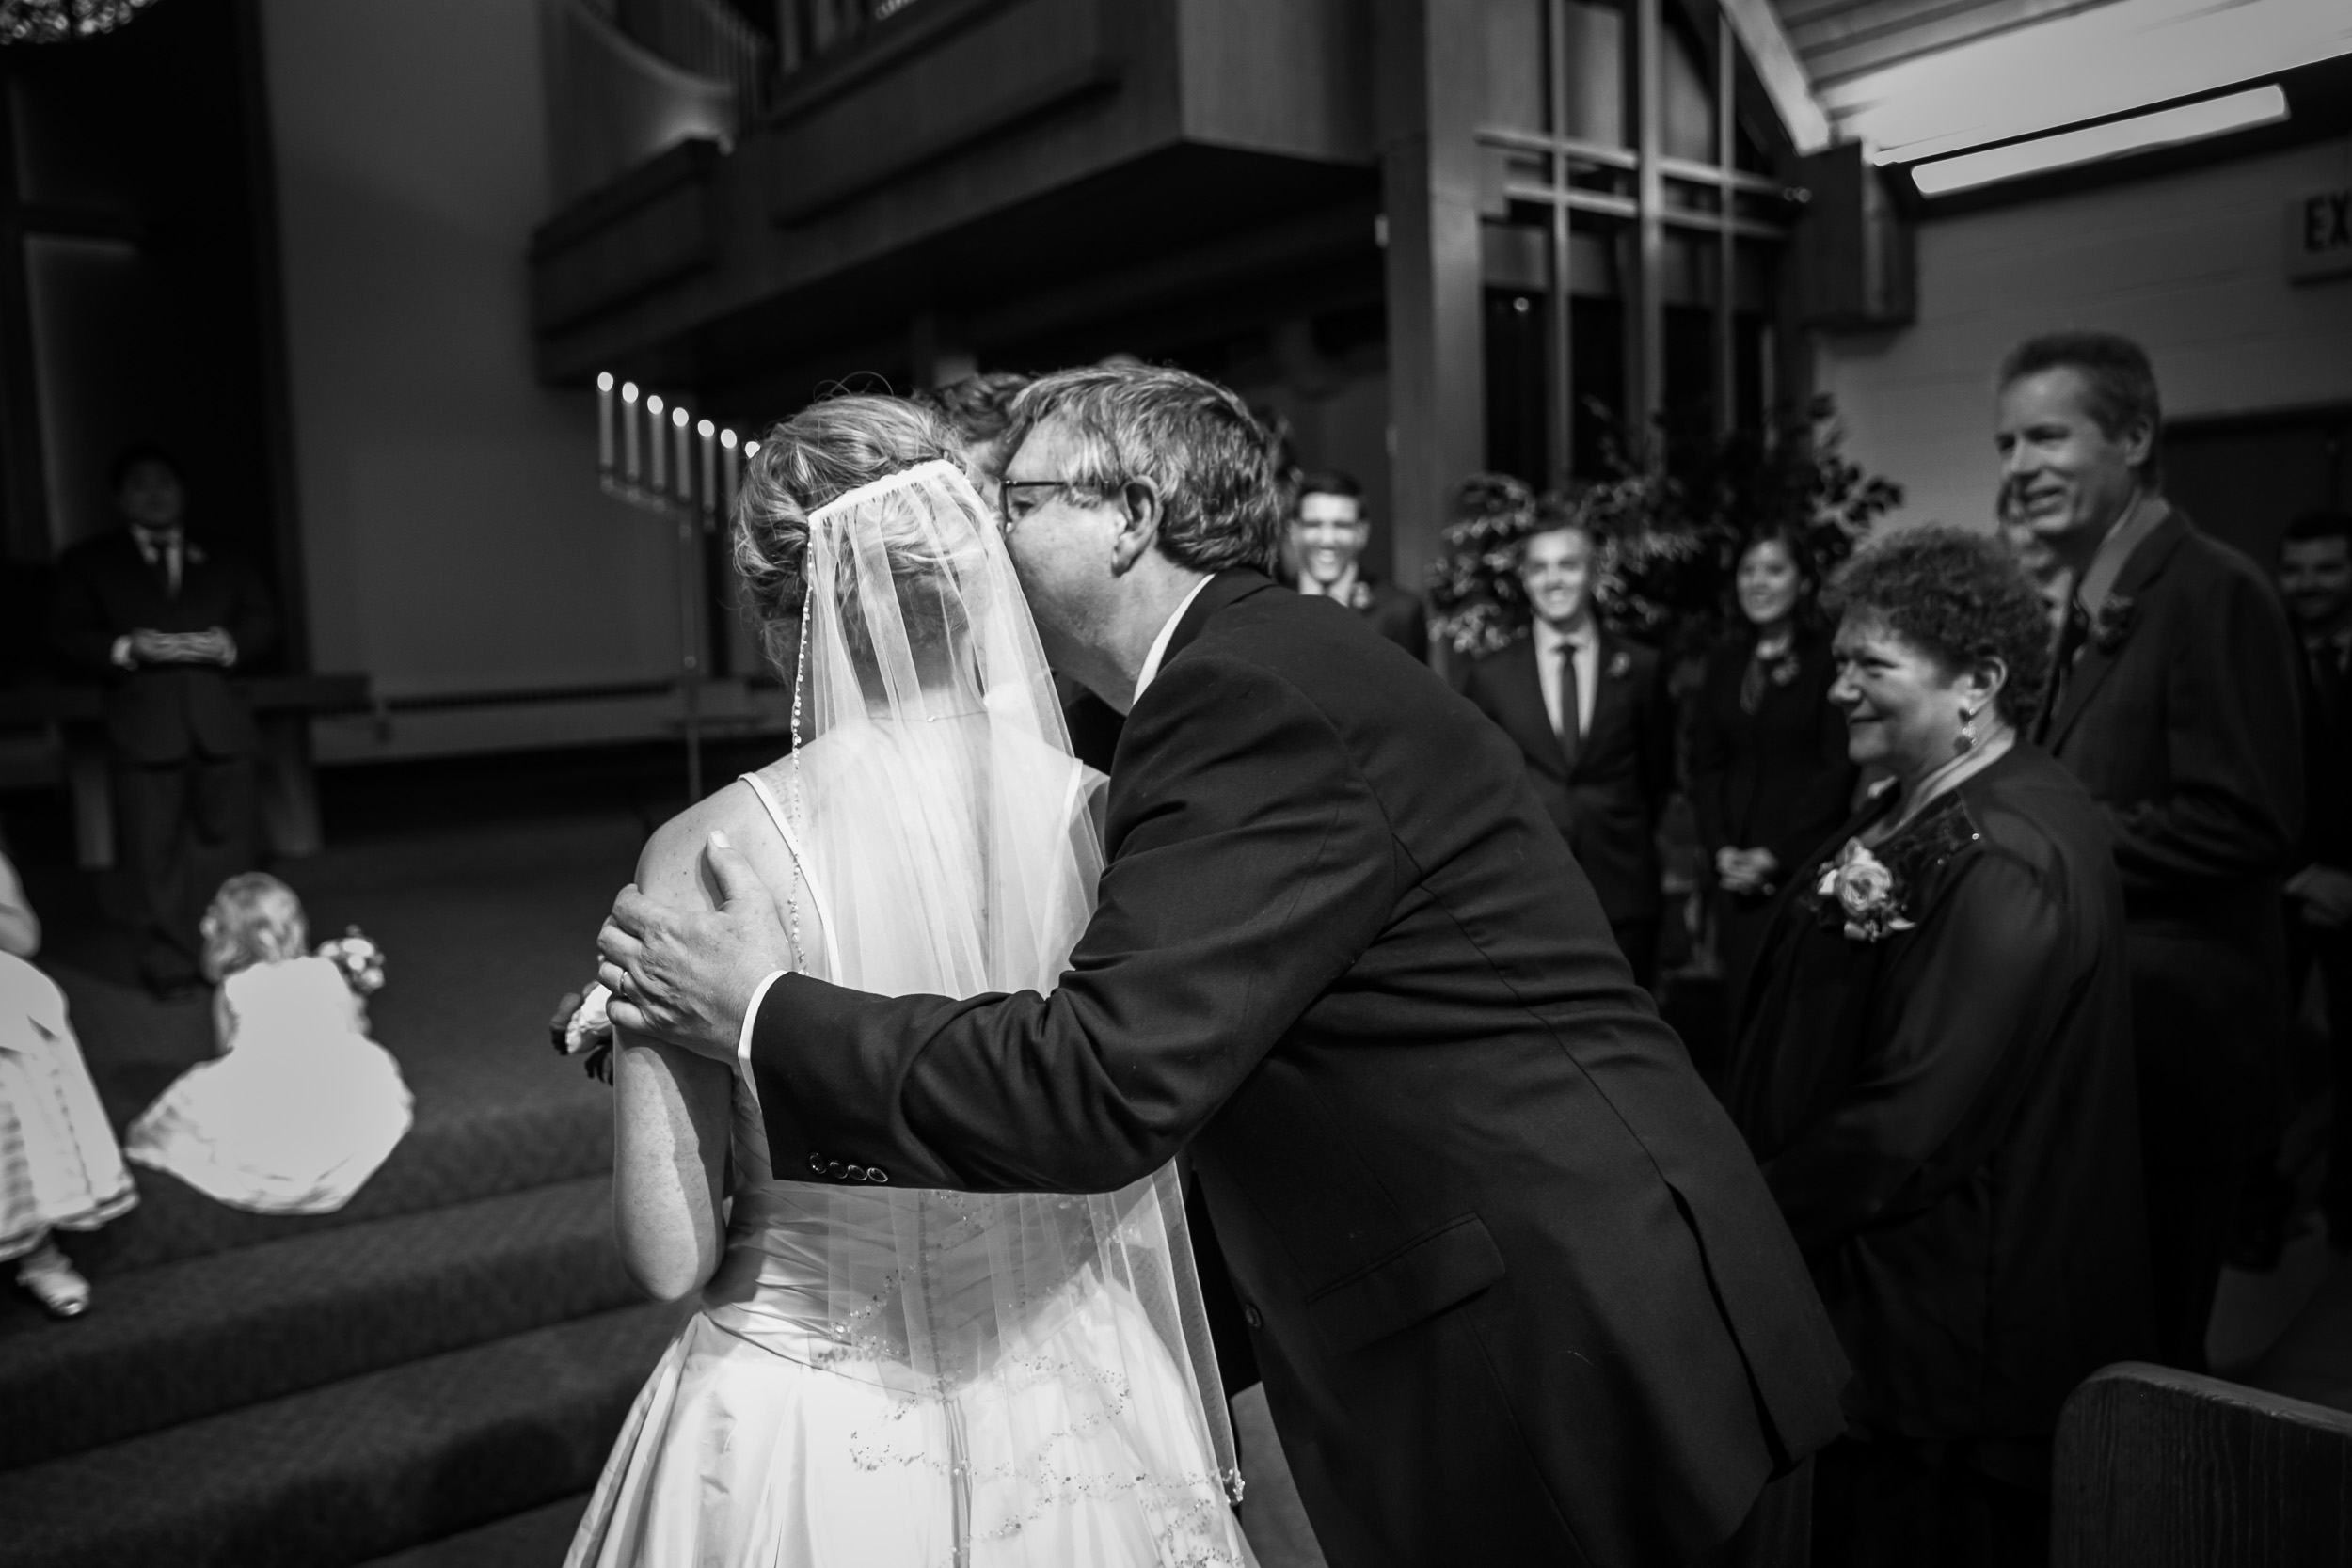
(670, 869)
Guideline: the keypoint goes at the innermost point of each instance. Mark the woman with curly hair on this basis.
(1935, 1071)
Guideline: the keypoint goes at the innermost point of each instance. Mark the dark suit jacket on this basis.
(1608, 806)
(2327, 770)
(161, 713)
(1947, 1118)
(1398, 616)
(1776, 778)
(1517, 1290)
(2181, 720)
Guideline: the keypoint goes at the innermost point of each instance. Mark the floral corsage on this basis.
(1620, 665)
(1861, 889)
(359, 958)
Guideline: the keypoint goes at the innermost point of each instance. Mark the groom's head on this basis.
(1127, 482)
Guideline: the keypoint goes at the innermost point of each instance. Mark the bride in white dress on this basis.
(880, 1376)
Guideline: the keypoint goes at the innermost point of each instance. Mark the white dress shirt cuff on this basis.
(744, 1040)
(119, 655)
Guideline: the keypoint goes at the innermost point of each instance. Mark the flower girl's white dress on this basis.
(298, 1111)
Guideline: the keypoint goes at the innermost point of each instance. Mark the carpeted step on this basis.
(448, 1158)
(537, 1539)
(350, 1471)
(191, 1339)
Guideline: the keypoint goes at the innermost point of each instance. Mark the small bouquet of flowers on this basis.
(361, 959)
(1860, 891)
(582, 1027)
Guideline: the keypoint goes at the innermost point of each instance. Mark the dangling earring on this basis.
(1966, 741)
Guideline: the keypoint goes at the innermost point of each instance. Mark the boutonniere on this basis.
(2113, 622)
(1862, 891)
(1620, 665)
(1360, 595)
(1783, 669)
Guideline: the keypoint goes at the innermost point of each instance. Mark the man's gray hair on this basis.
(1197, 443)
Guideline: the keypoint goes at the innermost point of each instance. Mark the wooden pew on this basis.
(2156, 1469)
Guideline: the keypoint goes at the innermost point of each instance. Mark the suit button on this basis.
(857, 1173)
(817, 1163)
(832, 1168)
(876, 1174)
(1254, 1318)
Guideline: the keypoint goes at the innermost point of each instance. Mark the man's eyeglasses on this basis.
(1017, 498)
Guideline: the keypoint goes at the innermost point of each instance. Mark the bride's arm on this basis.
(671, 1121)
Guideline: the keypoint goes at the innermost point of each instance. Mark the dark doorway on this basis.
(2244, 479)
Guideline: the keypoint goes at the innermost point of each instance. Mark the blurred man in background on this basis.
(163, 621)
(1329, 532)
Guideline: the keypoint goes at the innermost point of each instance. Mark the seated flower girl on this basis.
(301, 1106)
(59, 1168)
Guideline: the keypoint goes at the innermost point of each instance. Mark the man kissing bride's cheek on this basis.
(1517, 1290)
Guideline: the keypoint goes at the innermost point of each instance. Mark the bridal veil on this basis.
(949, 846)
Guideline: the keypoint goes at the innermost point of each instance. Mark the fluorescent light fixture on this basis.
(2210, 116)
(2080, 63)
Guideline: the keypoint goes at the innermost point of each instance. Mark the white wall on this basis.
(453, 534)
(2191, 265)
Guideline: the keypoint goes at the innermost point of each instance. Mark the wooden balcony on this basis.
(1016, 171)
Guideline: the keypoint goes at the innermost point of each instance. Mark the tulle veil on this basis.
(949, 846)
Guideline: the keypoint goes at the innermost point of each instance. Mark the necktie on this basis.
(1571, 706)
(2072, 636)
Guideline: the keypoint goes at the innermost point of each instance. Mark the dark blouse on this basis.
(1947, 1114)
(1771, 774)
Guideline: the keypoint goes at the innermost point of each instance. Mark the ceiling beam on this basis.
(1777, 67)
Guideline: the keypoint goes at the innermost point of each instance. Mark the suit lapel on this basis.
(1608, 701)
(2091, 666)
(1518, 693)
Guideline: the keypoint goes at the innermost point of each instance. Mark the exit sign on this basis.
(2319, 235)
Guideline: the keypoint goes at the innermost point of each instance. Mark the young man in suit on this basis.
(1328, 533)
(1517, 1290)
(2316, 579)
(1589, 713)
(162, 620)
(2173, 700)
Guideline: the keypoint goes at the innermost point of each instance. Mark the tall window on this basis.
(1632, 247)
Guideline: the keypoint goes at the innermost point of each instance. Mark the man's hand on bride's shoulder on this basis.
(685, 977)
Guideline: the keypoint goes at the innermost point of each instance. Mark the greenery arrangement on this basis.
(1669, 522)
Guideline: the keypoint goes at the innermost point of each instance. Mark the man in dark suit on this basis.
(1328, 533)
(1517, 1290)
(2316, 579)
(2173, 700)
(1589, 713)
(162, 620)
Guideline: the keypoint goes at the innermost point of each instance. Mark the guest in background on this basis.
(163, 620)
(2316, 577)
(1936, 1073)
(1590, 713)
(59, 1166)
(1329, 532)
(300, 1107)
(978, 408)
(1770, 778)
(2173, 700)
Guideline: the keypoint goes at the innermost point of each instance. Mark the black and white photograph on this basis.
(1175, 783)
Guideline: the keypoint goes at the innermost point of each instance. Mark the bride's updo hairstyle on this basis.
(824, 451)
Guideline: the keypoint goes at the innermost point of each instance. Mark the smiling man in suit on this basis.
(2173, 700)
(163, 621)
(1517, 1287)
(1589, 712)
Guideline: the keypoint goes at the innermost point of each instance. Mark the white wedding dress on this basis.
(300, 1108)
(881, 1377)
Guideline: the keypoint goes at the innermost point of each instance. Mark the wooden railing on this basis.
(2156, 1469)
